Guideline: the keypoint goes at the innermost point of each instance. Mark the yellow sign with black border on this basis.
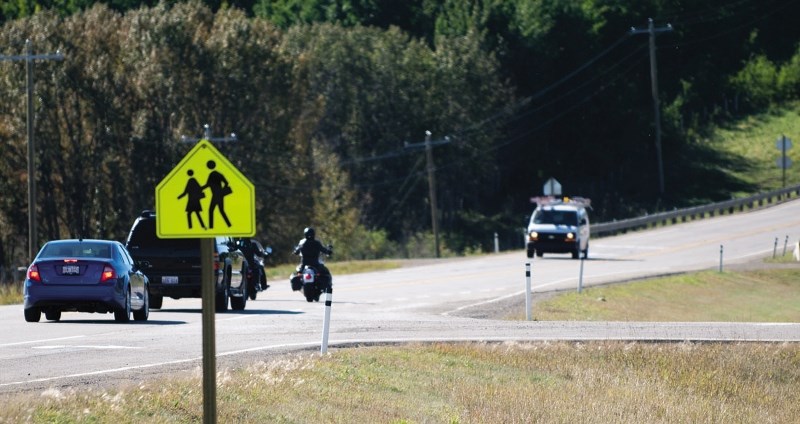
(205, 196)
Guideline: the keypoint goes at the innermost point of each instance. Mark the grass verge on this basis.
(464, 383)
(760, 295)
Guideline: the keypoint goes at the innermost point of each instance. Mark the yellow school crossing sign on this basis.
(205, 196)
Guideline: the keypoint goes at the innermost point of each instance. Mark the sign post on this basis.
(783, 144)
(188, 208)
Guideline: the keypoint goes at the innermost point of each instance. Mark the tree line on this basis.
(331, 101)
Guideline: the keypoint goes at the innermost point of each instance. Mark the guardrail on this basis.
(697, 212)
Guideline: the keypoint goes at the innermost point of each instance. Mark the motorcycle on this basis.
(256, 274)
(311, 281)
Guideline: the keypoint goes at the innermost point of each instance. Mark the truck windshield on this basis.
(555, 217)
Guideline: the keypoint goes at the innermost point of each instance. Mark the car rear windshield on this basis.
(77, 250)
(144, 236)
(555, 217)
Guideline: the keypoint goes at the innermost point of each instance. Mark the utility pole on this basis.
(432, 185)
(29, 57)
(432, 190)
(654, 88)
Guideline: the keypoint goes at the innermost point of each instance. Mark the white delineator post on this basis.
(326, 323)
(528, 291)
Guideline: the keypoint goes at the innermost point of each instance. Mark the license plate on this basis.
(169, 279)
(70, 270)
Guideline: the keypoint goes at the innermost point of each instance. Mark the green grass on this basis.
(753, 140)
(765, 295)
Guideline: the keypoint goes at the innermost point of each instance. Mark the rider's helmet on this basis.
(309, 233)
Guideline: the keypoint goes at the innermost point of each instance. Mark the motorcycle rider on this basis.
(309, 250)
(251, 251)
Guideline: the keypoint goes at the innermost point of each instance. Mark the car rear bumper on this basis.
(94, 298)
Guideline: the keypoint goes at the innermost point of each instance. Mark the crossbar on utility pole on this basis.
(651, 30)
(432, 185)
(207, 136)
(29, 57)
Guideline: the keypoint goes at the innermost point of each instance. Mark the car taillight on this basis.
(216, 261)
(33, 274)
(108, 274)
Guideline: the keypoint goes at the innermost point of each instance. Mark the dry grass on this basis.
(467, 383)
(10, 293)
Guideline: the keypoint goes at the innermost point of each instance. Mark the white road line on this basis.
(40, 341)
(106, 347)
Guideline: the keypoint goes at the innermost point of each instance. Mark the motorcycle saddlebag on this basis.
(297, 282)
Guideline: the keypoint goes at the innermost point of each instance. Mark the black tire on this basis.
(309, 298)
(239, 303)
(221, 300)
(252, 288)
(530, 253)
(124, 314)
(576, 253)
(52, 315)
(144, 313)
(156, 300)
(539, 253)
(33, 314)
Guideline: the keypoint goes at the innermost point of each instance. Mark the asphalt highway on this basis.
(412, 304)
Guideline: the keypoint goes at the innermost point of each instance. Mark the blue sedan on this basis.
(85, 276)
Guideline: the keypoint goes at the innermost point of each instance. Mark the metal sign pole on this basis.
(209, 342)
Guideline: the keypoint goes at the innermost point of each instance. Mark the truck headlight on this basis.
(533, 236)
(570, 236)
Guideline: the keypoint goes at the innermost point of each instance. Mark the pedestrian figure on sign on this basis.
(219, 189)
(193, 192)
